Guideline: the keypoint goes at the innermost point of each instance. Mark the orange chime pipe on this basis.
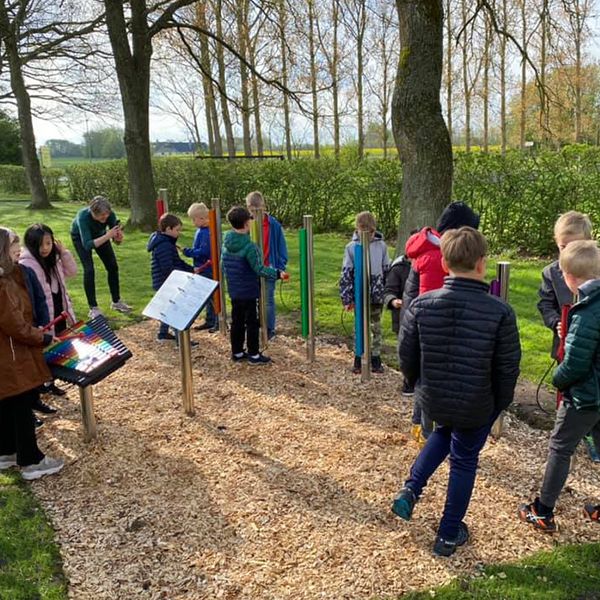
(214, 257)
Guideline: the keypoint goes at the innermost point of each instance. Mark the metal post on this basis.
(503, 278)
(86, 396)
(216, 204)
(365, 238)
(185, 353)
(262, 304)
(310, 285)
(163, 203)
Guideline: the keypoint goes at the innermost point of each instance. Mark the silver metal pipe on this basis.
(310, 283)
(86, 396)
(365, 239)
(259, 214)
(162, 195)
(216, 204)
(185, 354)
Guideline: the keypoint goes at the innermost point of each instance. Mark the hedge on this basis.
(13, 180)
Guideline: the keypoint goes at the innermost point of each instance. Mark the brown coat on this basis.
(22, 365)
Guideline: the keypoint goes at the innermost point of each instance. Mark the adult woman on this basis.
(89, 232)
(22, 368)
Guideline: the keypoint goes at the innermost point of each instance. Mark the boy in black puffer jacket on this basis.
(577, 377)
(165, 259)
(459, 346)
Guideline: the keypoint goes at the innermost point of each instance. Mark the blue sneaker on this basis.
(588, 440)
(444, 547)
(259, 359)
(404, 504)
(239, 357)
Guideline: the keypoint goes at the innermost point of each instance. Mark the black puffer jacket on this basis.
(460, 346)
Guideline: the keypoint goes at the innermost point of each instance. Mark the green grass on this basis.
(566, 573)
(30, 564)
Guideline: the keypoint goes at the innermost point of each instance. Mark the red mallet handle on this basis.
(62, 317)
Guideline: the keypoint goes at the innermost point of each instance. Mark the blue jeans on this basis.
(271, 283)
(463, 446)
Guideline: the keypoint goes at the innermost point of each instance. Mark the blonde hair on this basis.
(581, 259)
(255, 200)
(7, 238)
(462, 248)
(573, 224)
(365, 221)
(197, 209)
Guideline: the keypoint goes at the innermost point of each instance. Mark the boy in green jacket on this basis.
(577, 377)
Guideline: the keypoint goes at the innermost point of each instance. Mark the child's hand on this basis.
(187, 252)
(397, 303)
(349, 307)
(559, 330)
(284, 276)
(59, 247)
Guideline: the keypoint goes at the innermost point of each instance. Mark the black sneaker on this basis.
(530, 513)
(443, 547)
(203, 327)
(37, 422)
(259, 359)
(407, 390)
(376, 366)
(51, 388)
(404, 504)
(239, 357)
(40, 406)
(165, 337)
(357, 368)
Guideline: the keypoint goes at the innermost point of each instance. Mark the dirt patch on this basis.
(279, 487)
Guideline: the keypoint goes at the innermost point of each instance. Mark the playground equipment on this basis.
(162, 204)
(362, 304)
(307, 285)
(216, 238)
(256, 233)
(499, 287)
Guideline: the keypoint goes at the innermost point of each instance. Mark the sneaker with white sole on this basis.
(46, 466)
(121, 307)
(7, 461)
(95, 312)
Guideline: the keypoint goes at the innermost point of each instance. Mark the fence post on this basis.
(308, 290)
(366, 305)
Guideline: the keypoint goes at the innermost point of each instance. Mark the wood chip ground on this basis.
(279, 487)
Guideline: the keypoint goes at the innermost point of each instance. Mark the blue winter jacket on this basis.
(278, 255)
(41, 316)
(200, 251)
(165, 258)
(243, 266)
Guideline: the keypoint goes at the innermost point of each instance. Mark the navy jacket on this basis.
(165, 258)
(460, 346)
(41, 316)
(243, 266)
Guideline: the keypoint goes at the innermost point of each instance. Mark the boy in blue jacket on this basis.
(577, 377)
(200, 252)
(165, 259)
(275, 252)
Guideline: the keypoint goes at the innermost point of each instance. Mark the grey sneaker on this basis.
(95, 312)
(121, 307)
(46, 466)
(7, 461)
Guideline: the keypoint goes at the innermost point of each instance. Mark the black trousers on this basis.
(17, 429)
(108, 258)
(244, 325)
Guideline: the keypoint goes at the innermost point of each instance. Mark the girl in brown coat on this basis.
(22, 368)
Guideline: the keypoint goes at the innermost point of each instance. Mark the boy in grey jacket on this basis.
(380, 265)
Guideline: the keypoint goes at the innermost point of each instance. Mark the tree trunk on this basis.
(360, 34)
(578, 42)
(385, 95)
(223, 83)
(313, 78)
(33, 171)
(523, 107)
(419, 129)
(334, 80)
(133, 73)
(466, 87)
(284, 80)
(503, 80)
(242, 24)
(544, 121)
(256, 110)
(486, 85)
(449, 43)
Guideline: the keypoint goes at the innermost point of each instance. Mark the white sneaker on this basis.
(7, 461)
(46, 466)
(95, 312)
(120, 306)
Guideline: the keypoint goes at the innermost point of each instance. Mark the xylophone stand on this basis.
(185, 353)
(86, 395)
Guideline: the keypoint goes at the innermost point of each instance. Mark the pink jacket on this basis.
(66, 267)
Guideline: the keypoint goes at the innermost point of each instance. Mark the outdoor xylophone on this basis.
(84, 355)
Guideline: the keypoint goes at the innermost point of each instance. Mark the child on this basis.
(274, 250)
(554, 292)
(243, 266)
(200, 252)
(460, 346)
(577, 377)
(165, 259)
(22, 368)
(380, 265)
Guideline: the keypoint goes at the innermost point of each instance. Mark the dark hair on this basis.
(33, 240)
(168, 221)
(238, 216)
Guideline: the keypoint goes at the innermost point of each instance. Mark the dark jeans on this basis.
(570, 427)
(210, 317)
(244, 325)
(108, 258)
(163, 329)
(17, 429)
(463, 446)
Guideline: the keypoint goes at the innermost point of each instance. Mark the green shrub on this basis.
(14, 181)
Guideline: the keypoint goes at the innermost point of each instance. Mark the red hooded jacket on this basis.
(423, 248)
